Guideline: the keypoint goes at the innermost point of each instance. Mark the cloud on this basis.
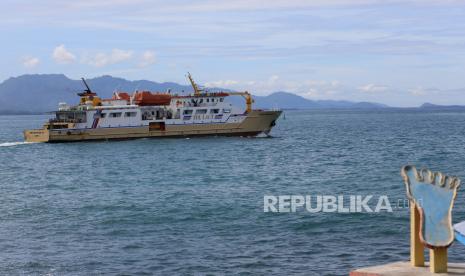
(372, 88)
(63, 56)
(30, 62)
(221, 83)
(103, 59)
(118, 55)
(311, 93)
(417, 91)
(257, 5)
(320, 89)
(421, 91)
(261, 85)
(309, 42)
(148, 58)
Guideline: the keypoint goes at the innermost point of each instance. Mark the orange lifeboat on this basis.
(144, 98)
(121, 96)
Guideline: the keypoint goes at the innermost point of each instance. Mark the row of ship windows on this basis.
(202, 117)
(185, 112)
(204, 111)
(207, 100)
(118, 114)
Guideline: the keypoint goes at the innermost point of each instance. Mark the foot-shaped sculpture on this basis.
(433, 195)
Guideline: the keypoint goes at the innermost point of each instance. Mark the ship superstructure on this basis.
(147, 114)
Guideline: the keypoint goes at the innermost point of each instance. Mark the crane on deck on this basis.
(246, 95)
(248, 99)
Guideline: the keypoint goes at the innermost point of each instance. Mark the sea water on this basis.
(195, 206)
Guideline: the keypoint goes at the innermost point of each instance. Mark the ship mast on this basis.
(87, 91)
(89, 96)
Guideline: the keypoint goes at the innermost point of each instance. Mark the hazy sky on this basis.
(401, 53)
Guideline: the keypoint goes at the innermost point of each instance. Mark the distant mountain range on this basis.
(286, 100)
(436, 106)
(41, 93)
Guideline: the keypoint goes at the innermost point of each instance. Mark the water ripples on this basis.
(195, 206)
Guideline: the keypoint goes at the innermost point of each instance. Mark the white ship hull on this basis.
(145, 115)
(254, 123)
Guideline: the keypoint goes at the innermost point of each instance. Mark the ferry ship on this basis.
(145, 114)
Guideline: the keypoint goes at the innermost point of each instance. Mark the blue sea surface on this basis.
(195, 206)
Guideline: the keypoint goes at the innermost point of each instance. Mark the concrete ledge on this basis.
(405, 269)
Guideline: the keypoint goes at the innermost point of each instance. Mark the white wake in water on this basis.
(11, 144)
